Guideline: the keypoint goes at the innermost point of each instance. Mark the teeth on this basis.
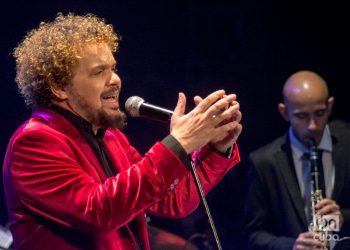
(110, 97)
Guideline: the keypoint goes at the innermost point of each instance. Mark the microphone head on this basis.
(132, 105)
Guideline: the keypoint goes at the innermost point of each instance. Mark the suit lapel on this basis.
(284, 158)
(90, 155)
(57, 122)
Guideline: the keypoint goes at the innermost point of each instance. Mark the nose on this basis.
(312, 124)
(115, 80)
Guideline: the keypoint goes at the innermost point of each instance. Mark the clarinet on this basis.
(316, 225)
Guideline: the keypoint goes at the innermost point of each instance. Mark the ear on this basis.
(330, 103)
(283, 111)
(58, 91)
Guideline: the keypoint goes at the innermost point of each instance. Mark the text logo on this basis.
(328, 222)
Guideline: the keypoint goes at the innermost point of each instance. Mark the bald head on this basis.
(307, 105)
(305, 86)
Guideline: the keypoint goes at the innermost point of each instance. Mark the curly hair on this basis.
(47, 55)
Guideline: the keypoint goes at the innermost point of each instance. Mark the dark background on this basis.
(247, 47)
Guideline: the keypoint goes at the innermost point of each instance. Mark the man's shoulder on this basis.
(269, 150)
(340, 130)
(339, 125)
(272, 146)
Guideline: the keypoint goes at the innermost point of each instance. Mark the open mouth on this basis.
(110, 98)
(110, 101)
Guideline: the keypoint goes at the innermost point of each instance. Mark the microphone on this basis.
(135, 106)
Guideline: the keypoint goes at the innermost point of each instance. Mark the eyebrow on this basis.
(103, 66)
(305, 112)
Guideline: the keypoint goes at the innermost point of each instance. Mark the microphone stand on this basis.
(206, 207)
(135, 106)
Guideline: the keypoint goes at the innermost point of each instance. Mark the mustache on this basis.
(111, 91)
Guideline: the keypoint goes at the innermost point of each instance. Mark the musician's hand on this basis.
(329, 207)
(205, 122)
(308, 240)
(223, 141)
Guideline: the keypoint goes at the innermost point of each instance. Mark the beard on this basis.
(100, 117)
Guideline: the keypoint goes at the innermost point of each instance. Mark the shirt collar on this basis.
(299, 148)
(326, 141)
(79, 122)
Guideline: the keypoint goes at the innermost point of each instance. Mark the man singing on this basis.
(71, 178)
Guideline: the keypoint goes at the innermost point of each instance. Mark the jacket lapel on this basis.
(57, 122)
(284, 158)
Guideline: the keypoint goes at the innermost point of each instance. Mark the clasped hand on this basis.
(215, 120)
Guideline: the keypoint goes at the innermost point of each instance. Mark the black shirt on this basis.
(95, 141)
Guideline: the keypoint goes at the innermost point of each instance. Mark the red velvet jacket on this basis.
(58, 196)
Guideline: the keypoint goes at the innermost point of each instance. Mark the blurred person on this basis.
(71, 178)
(277, 206)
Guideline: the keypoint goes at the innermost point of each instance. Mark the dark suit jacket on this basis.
(275, 208)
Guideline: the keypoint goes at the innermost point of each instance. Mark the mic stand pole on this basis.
(205, 204)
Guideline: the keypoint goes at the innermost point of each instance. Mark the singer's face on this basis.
(94, 89)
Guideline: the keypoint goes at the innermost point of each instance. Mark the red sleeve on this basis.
(54, 177)
(183, 195)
